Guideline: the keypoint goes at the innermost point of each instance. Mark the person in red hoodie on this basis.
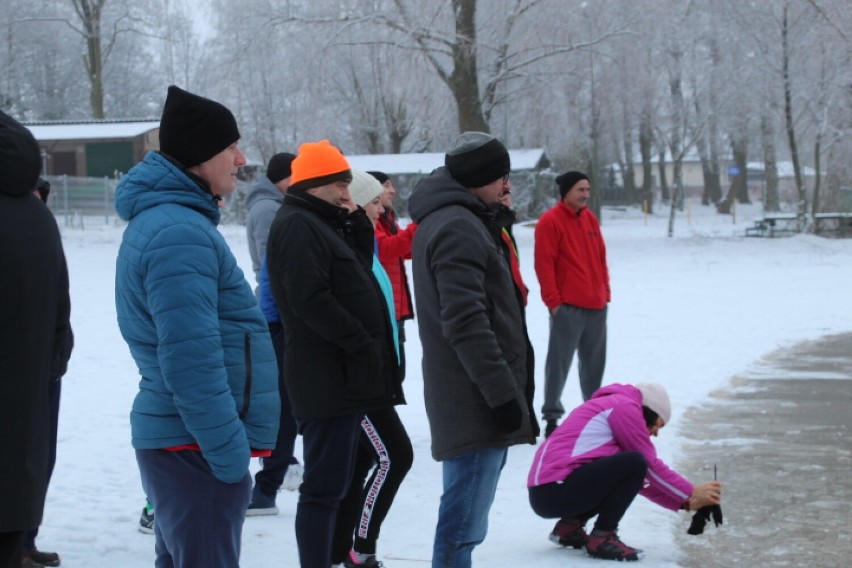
(570, 263)
(394, 249)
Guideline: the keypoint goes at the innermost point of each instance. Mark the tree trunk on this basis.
(645, 142)
(788, 117)
(464, 79)
(713, 139)
(676, 142)
(89, 12)
(818, 173)
(739, 184)
(597, 179)
(739, 146)
(706, 169)
(771, 201)
(664, 182)
(628, 177)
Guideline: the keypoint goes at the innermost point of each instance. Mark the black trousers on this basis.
(384, 448)
(605, 487)
(271, 476)
(329, 446)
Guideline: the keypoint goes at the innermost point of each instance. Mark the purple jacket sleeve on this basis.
(663, 485)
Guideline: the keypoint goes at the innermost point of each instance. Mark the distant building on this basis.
(100, 148)
(530, 191)
(693, 173)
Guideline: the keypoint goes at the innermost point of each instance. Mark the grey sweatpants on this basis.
(573, 329)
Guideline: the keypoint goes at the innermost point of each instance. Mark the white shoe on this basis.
(293, 477)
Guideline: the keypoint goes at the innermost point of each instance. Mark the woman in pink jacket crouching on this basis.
(596, 462)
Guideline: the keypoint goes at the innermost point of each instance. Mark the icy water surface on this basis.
(780, 438)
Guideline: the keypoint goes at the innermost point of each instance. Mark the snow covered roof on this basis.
(783, 167)
(395, 164)
(91, 130)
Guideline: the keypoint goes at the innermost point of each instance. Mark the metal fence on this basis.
(75, 199)
(80, 200)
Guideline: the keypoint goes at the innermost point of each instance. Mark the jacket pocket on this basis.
(365, 376)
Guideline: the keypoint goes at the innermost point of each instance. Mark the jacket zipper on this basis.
(247, 387)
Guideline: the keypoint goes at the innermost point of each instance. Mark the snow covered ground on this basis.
(689, 312)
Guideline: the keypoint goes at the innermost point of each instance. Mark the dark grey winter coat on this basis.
(471, 325)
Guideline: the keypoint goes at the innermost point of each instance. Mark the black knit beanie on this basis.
(568, 180)
(477, 159)
(381, 176)
(20, 158)
(194, 129)
(279, 166)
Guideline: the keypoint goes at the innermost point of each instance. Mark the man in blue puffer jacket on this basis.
(208, 394)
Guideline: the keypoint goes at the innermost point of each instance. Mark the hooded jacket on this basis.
(394, 249)
(34, 327)
(208, 371)
(262, 202)
(471, 325)
(609, 423)
(570, 259)
(339, 355)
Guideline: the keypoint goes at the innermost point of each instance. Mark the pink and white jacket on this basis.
(609, 423)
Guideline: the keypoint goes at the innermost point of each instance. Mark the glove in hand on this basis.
(509, 416)
(702, 515)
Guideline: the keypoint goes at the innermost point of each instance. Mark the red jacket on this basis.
(570, 259)
(394, 250)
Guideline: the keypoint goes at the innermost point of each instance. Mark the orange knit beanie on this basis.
(318, 163)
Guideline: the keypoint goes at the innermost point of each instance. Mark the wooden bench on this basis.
(773, 225)
(833, 224)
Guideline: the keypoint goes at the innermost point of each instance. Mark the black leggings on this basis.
(604, 487)
(386, 450)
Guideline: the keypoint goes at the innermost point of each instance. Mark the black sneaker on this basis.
(549, 428)
(146, 519)
(42, 558)
(609, 547)
(569, 534)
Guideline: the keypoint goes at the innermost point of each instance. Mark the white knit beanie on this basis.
(656, 398)
(364, 187)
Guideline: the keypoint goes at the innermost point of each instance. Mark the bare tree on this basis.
(770, 163)
(454, 54)
(89, 13)
(789, 122)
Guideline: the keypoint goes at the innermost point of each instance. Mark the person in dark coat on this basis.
(262, 203)
(477, 382)
(32, 556)
(339, 359)
(34, 325)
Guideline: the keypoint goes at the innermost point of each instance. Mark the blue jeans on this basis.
(470, 482)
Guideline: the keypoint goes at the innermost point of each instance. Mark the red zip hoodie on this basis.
(570, 259)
